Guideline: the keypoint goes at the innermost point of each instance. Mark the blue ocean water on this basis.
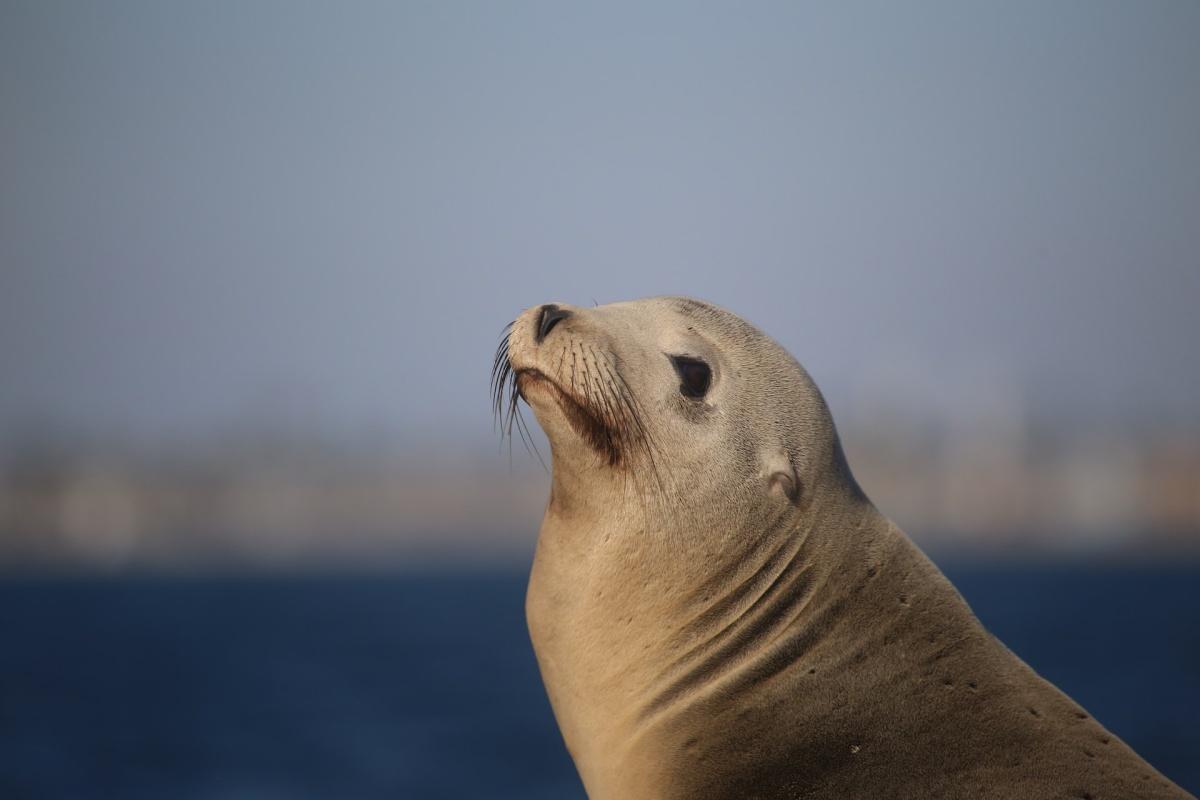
(424, 685)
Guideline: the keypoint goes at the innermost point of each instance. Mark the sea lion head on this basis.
(671, 410)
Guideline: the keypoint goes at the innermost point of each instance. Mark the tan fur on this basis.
(705, 632)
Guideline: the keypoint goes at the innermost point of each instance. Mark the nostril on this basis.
(551, 315)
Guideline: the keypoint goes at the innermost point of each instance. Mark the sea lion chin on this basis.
(719, 611)
(588, 422)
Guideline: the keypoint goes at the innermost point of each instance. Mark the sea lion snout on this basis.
(549, 316)
(535, 328)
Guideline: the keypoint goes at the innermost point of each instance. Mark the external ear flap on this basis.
(781, 476)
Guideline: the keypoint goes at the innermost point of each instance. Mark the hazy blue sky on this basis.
(213, 210)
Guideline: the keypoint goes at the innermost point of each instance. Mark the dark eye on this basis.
(694, 376)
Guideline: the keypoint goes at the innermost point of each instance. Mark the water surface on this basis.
(425, 686)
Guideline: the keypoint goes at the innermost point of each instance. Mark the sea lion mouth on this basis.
(583, 419)
(597, 402)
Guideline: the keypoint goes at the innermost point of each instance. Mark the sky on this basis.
(222, 213)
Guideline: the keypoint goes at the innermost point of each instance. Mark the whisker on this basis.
(506, 398)
(503, 388)
(527, 439)
(637, 415)
(614, 410)
(618, 432)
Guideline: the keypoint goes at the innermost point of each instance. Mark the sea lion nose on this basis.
(550, 316)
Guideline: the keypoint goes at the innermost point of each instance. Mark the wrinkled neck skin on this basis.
(648, 626)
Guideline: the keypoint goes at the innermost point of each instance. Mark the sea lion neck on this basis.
(586, 494)
(643, 634)
(770, 597)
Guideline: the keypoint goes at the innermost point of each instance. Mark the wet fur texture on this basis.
(719, 612)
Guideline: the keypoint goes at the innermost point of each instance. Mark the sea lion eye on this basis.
(694, 376)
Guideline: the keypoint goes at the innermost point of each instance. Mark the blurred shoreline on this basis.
(290, 503)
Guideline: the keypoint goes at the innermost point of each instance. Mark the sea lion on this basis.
(717, 609)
